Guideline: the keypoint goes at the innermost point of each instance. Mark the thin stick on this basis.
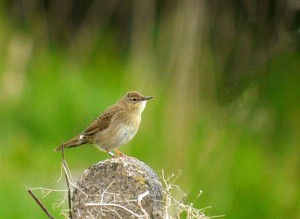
(140, 198)
(67, 180)
(40, 204)
(114, 205)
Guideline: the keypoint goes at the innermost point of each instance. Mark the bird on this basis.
(116, 126)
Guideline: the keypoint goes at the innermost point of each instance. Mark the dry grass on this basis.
(174, 208)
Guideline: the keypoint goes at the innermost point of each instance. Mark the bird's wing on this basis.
(102, 122)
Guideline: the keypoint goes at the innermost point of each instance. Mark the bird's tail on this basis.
(74, 142)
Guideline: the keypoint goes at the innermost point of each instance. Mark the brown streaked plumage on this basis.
(115, 126)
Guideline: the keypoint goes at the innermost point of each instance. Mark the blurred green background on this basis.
(226, 81)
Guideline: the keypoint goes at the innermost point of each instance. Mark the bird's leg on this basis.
(111, 154)
(119, 153)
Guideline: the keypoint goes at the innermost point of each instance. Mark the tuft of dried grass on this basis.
(173, 203)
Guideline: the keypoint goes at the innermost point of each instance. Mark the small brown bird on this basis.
(115, 126)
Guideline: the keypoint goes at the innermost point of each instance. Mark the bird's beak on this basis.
(147, 98)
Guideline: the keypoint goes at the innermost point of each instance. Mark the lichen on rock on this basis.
(121, 187)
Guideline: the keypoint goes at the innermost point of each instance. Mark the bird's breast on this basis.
(119, 132)
(126, 133)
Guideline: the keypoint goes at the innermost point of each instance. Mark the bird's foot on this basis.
(120, 153)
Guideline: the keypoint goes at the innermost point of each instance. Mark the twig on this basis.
(114, 205)
(40, 204)
(102, 195)
(65, 165)
(140, 198)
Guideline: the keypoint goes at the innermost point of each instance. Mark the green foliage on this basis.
(244, 154)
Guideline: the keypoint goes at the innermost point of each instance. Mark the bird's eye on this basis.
(134, 99)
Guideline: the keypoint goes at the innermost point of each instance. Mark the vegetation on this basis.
(226, 110)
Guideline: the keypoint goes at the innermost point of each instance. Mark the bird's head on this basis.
(135, 100)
